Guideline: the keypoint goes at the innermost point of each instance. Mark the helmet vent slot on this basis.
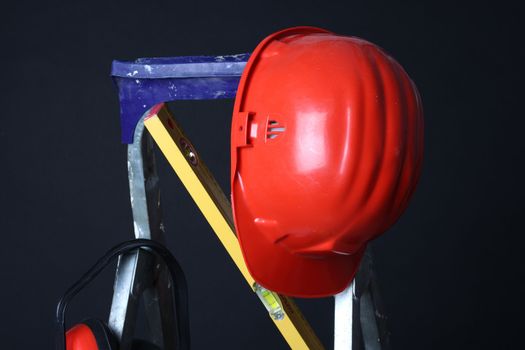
(274, 129)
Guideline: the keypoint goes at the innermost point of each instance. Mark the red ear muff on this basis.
(94, 334)
(80, 337)
(91, 334)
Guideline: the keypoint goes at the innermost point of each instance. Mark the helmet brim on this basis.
(276, 268)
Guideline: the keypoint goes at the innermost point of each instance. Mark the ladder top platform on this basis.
(145, 82)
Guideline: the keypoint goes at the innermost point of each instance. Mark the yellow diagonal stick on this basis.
(215, 207)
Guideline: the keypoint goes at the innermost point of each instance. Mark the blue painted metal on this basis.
(146, 82)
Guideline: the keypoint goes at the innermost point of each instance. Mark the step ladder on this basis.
(144, 86)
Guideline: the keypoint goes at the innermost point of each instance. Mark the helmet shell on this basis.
(327, 145)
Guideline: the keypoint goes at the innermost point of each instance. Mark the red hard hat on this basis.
(327, 145)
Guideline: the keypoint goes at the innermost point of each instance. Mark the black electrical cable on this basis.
(180, 288)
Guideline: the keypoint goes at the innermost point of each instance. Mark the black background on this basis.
(450, 270)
